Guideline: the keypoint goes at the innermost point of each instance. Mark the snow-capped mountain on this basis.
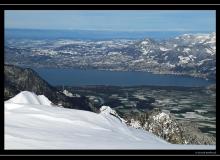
(188, 54)
(31, 122)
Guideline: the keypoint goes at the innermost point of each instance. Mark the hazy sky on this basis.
(116, 20)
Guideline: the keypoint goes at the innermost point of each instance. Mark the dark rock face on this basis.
(18, 79)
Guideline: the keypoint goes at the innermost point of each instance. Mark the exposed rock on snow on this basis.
(108, 111)
(167, 127)
(67, 93)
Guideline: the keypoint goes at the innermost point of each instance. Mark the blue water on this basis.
(89, 35)
(77, 77)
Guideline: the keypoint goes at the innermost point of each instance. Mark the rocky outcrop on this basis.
(108, 111)
(17, 79)
(167, 127)
(164, 125)
(192, 135)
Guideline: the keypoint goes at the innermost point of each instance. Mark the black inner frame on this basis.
(100, 7)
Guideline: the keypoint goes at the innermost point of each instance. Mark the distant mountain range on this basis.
(188, 54)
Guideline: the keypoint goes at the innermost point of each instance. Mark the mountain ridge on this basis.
(188, 54)
(17, 79)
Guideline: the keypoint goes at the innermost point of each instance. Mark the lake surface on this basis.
(77, 77)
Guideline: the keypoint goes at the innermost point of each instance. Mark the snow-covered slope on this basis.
(30, 123)
(26, 97)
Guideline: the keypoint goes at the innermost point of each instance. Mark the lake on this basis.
(78, 77)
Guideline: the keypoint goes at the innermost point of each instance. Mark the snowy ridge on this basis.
(106, 110)
(26, 97)
(31, 124)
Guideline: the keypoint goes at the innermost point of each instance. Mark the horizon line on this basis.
(147, 30)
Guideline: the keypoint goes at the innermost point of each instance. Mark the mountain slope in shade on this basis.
(33, 125)
(17, 79)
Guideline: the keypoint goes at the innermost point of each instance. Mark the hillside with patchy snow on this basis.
(32, 122)
(187, 54)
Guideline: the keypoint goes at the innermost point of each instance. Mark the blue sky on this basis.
(114, 20)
